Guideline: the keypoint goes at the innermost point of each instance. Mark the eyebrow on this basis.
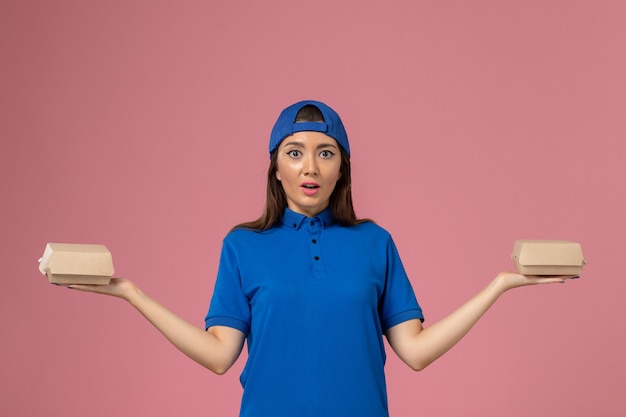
(301, 144)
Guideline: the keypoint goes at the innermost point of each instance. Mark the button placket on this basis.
(315, 229)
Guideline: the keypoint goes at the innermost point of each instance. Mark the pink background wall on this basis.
(143, 126)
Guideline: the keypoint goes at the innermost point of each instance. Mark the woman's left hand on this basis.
(510, 280)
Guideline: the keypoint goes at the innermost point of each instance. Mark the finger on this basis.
(560, 278)
(566, 277)
(100, 289)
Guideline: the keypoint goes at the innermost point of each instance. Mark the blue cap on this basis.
(287, 126)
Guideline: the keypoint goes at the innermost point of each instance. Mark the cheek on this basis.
(281, 170)
(286, 170)
(337, 173)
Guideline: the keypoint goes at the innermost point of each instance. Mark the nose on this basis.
(310, 165)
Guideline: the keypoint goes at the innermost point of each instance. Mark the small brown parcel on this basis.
(548, 257)
(70, 263)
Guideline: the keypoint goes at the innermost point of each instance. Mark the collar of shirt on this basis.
(295, 220)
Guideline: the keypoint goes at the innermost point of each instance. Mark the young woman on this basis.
(313, 289)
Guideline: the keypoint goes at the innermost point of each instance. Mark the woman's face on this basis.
(308, 166)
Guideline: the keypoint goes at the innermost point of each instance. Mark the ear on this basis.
(277, 174)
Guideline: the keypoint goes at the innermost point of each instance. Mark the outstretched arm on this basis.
(419, 347)
(216, 349)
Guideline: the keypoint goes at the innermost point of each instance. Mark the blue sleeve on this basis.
(229, 305)
(398, 302)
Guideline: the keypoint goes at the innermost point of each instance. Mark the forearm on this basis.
(202, 346)
(216, 349)
(437, 339)
(419, 347)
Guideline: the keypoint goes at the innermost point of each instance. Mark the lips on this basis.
(310, 188)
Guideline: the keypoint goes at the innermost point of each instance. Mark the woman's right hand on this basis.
(117, 287)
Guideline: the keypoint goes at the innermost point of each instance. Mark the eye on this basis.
(294, 153)
(326, 154)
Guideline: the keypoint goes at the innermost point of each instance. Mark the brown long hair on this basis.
(340, 203)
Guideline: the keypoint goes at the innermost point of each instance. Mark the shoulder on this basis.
(245, 236)
(366, 230)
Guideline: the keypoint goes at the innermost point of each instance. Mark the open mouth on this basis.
(310, 188)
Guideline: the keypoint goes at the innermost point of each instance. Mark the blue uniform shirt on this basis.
(313, 299)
